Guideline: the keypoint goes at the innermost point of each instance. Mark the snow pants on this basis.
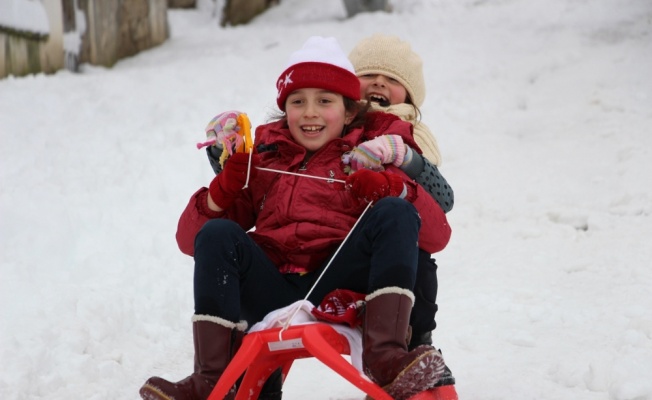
(422, 318)
(235, 280)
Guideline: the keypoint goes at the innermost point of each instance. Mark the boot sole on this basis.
(149, 392)
(422, 374)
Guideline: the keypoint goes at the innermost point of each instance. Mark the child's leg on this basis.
(425, 307)
(381, 252)
(234, 278)
(422, 318)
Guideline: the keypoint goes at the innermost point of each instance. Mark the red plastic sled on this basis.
(265, 351)
(447, 392)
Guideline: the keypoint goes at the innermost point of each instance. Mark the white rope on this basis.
(286, 324)
(302, 175)
(251, 154)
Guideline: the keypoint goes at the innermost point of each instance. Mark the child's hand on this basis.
(372, 154)
(372, 186)
(228, 184)
(224, 128)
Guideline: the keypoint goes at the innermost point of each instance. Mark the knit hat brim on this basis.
(399, 78)
(317, 75)
(321, 64)
(390, 56)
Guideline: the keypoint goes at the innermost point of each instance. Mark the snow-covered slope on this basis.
(542, 109)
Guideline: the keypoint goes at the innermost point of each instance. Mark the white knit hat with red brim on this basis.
(322, 64)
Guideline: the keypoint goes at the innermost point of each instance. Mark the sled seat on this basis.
(263, 352)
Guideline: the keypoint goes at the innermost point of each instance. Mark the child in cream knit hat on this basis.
(391, 58)
(391, 80)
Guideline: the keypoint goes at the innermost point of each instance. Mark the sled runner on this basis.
(447, 392)
(265, 351)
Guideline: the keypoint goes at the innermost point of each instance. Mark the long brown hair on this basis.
(359, 109)
(417, 111)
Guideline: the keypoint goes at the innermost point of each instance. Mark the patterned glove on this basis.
(341, 306)
(371, 186)
(227, 186)
(372, 154)
(222, 131)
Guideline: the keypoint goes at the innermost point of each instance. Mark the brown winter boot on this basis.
(216, 341)
(385, 357)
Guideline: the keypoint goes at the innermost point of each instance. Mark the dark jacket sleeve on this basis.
(214, 153)
(430, 178)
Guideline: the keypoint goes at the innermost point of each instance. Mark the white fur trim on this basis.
(241, 326)
(391, 289)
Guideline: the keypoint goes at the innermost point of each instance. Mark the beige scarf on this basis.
(422, 135)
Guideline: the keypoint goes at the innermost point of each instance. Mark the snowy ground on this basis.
(543, 111)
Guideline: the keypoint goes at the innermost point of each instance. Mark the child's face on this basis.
(315, 117)
(382, 90)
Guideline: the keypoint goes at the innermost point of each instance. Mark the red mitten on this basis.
(228, 184)
(341, 306)
(372, 186)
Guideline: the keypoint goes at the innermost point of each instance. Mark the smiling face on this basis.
(315, 117)
(382, 89)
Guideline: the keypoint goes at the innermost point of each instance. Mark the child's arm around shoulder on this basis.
(428, 176)
(389, 141)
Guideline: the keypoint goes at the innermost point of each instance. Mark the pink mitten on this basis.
(372, 154)
(222, 131)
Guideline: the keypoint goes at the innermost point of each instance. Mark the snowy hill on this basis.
(543, 113)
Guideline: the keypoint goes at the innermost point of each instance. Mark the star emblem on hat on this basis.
(288, 79)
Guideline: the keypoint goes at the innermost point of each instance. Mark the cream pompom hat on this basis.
(392, 57)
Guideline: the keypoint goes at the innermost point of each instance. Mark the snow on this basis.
(542, 110)
(24, 15)
(72, 41)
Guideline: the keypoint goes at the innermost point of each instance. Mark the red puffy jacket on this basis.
(299, 222)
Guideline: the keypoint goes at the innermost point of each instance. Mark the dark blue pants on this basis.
(235, 280)
(422, 318)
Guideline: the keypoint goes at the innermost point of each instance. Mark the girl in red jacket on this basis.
(303, 204)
